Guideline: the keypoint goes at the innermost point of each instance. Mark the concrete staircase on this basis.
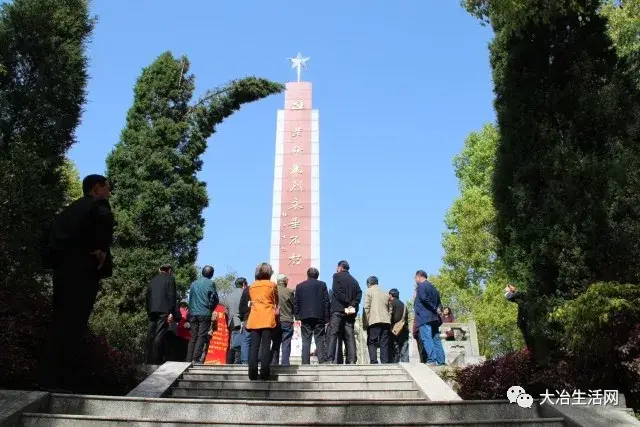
(319, 382)
(312, 395)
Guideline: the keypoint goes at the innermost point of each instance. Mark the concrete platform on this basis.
(251, 411)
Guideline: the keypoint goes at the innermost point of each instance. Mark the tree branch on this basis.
(208, 96)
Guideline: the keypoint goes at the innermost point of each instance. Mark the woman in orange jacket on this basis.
(263, 312)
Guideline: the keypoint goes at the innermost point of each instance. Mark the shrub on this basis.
(492, 379)
(25, 317)
(598, 337)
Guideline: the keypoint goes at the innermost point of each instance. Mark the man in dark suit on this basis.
(161, 311)
(518, 297)
(338, 357)
(243, 312)
(428, 309)
(345, 302)
(311, 307)
(79, 254)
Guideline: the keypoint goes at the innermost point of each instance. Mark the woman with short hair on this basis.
(263, 302)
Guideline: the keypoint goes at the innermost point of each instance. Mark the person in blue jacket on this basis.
(428, 312)
(203, 299)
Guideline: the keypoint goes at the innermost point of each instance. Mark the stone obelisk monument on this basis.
(295, 229)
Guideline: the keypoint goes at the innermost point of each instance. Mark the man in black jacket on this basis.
(520, 298)
(243, 313)
(338, 357)
(345, 301)
(399, 342)
(79, 254)
(161, 311)
(311, 307)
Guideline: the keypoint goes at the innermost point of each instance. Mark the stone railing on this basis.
(461, 348)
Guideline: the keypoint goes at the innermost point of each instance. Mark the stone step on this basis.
(55, 420)
(319, 371)
(208, 376)
(324, 367)
(252, 411)
(287, 385)
(297, 394)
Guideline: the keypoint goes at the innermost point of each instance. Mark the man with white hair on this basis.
(284, 331)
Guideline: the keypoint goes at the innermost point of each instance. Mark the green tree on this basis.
(472, 279)
(71, 182)
(42, 90)
(624, 30)
(158, 198)
(513, 14)
(226, 283)
(566, 175)
(469, 242)
(566, 182)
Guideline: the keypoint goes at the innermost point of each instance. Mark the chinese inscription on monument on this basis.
(295, 242)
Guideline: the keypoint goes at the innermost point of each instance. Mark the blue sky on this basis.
(398, 84)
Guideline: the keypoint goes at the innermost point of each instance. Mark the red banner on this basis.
(219, 342)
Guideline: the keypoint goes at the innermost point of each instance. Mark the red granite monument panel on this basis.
(296, 209)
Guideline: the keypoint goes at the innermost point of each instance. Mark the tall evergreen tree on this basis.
(43, 75)
(158, 199)
(567, 187)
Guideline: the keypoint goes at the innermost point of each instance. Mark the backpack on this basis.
(399, 325)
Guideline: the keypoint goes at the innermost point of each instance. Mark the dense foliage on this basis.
(158, 199)
(623, 19)
(600, 349)
(43, 75)
(566, 182)
(566, 176)
(566, 191)
(42, 89)
(26, 317)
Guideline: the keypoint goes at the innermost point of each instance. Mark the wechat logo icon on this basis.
(516, 394)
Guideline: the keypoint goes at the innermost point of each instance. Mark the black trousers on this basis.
(157, 338)
(378, 337)
(75, 288)
(176, 347)
(342, 324)
(338, 356)
(313, 328)
(200, 326)
(421, 352)
(235, 344)
(205, 348)
(260, 344)
(276, 342)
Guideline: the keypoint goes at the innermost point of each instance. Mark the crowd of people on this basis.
(260, 315)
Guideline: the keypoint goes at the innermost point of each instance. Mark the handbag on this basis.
(399, 325)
